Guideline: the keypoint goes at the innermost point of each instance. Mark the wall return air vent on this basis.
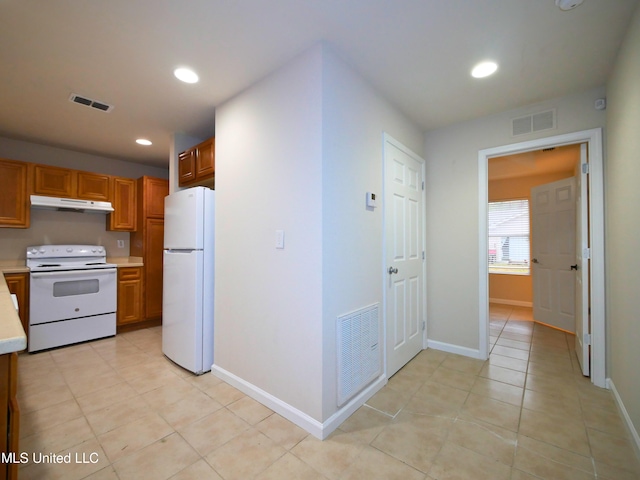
(536, 122)
(359, 357)
(87, 102)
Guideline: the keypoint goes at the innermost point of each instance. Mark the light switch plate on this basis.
(279, 238)
(371, 200)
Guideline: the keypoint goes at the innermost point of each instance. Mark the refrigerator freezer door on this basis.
(183, 219)
(183, 311)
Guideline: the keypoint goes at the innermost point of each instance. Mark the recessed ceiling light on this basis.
(186, 75)
(484, 69)
(143, 141)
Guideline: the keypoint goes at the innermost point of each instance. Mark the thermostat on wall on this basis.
(371, 200)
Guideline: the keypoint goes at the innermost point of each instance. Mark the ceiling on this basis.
(563, 159)
(417, 53)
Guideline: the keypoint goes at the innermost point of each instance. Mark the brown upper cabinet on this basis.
(53, 181)
(153, 192)
(14, 194)
(93, 186)
(196, 166)
(123, 197)
(18, 180)
(67, 183)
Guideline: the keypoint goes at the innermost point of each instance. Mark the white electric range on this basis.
(72, 295)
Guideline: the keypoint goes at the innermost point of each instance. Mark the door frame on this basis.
(388, 139)
(593, 139)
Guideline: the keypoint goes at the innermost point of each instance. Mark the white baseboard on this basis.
(513, 303)
(450, 348)
(320, 430)
(625, 416)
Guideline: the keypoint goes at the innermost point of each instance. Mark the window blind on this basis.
(509, 250)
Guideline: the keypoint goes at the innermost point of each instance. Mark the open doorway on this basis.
(594, 257)
(510, 180)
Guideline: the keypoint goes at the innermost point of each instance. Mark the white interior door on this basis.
(582, 261)
(553, 222)
(404, 252)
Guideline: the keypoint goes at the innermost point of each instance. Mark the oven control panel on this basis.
(61, 251)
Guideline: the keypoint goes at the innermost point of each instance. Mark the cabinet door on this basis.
(93, 186)
(205, 159)
(123, 196)
(129, 295)
(14, 201)
(187, 167)
(54, 181)
(18, 284)
(13, 428)
(155, 189)
(154, 242)
(10, 417)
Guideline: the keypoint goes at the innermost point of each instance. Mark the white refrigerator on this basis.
(187, 302)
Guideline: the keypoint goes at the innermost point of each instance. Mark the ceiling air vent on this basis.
(90, 103)
(533, 123)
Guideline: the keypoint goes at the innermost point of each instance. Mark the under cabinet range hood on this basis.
(70, 204)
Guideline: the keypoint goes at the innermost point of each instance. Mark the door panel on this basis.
(404, 234)
(182, 308)
(399, 319)
(400, 227)
(553, 213)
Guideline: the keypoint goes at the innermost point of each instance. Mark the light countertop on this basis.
(126, 261)
(12, 336)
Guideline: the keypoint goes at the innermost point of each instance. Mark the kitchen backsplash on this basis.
(52, 227)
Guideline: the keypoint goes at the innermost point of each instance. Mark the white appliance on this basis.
(72, 295)
(70, 204)
(187, 296)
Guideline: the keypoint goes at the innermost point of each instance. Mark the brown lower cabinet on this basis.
(10, 416)
(129, 296)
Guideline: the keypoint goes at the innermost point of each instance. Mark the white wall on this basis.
(354, 119)
(268, 312)
(297, 152)
(622, 177)
(452, 179)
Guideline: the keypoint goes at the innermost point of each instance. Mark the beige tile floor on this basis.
(119, 409)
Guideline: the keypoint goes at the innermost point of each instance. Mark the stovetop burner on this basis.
(44, 258)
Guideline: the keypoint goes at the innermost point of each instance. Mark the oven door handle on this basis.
(76, 273)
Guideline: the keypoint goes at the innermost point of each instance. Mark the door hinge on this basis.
(423, 255)
(587, 339)
(585, 168)
(423, 185)
(586, 253)
(424, 325)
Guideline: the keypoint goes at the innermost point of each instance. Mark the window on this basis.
(509, 237)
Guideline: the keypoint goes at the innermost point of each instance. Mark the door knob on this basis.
(574, 267)
(535, 260)
(392, 270)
